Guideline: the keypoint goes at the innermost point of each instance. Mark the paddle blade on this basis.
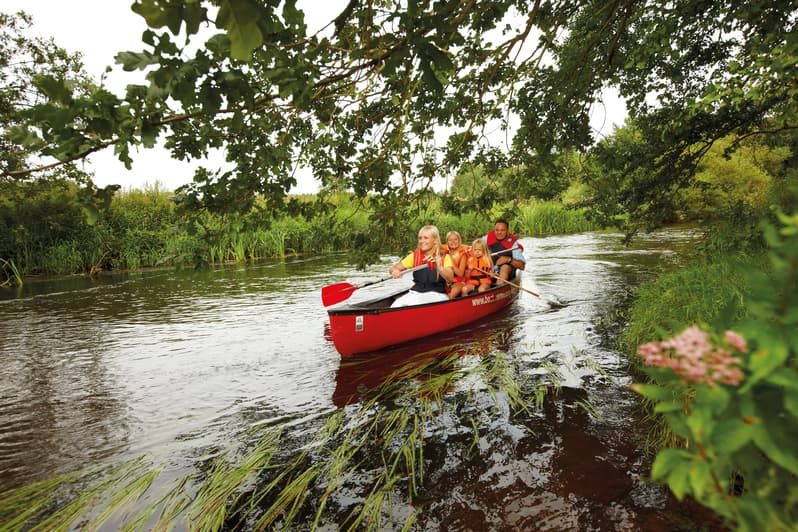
(335, 293)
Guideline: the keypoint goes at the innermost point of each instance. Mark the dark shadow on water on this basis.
(554, 470)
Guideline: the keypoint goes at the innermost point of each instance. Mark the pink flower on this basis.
(736, 341)
(692, 343)
(692, 355)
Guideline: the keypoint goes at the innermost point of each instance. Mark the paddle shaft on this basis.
(406, 270)
(335, 293)
(549, 301)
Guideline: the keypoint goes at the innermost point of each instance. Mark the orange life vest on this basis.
(476, 277)
(456, 255)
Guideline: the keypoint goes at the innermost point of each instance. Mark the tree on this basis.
(37, 79)
(22, 61)
(362, 102)
(625, 184)
(691, 72)
(472, 189)
(724, 179)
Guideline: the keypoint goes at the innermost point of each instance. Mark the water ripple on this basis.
(179, 363)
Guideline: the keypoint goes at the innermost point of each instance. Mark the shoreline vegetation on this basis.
(142, 229)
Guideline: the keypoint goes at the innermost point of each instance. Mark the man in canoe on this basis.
(429, 282)
(506, 251)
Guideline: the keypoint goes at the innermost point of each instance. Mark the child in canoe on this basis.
(478, 268)
(459, 253)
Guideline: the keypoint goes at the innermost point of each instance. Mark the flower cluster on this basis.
(691, 355)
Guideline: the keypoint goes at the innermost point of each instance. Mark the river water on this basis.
(173, 365)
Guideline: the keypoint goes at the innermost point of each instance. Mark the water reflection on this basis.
(56, 390)
(359, 374)
(158, 362)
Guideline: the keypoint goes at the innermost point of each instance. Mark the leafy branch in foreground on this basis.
(733, 401)
(362, 102)
(356, 103)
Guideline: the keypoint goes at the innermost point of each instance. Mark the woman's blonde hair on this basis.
(432, 231)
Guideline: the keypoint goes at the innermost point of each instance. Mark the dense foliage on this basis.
(23, 59)
(361, 102)
(729, 402)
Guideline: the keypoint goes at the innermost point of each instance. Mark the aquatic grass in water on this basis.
(362, 470)
(172, 505)
(89, 498)
(226, 481)
(11, 273)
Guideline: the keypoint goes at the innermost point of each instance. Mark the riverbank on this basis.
(713, 347)
(706, 290)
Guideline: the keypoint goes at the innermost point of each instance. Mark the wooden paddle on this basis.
(552, 303)
(335, 293)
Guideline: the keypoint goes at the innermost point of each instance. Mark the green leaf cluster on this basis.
(738, 455)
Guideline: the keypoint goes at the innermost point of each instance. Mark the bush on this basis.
(732, 398)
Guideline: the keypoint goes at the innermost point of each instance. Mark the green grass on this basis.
(703, 291)
(143, 229)
(9, 273)
(550, 218)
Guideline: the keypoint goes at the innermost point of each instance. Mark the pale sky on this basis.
(99, 29)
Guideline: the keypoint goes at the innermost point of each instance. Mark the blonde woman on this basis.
(429, 283)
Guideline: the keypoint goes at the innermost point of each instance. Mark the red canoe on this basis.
(373, 325)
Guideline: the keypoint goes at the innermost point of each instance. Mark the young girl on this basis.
(459, 254)
(478, 259)
(429, 283)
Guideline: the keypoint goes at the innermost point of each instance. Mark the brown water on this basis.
(176, 364)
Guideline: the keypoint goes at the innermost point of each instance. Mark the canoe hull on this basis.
(371, 326)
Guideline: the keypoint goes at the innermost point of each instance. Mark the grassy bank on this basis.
(50, 232)
(708, 291)
(719, 339)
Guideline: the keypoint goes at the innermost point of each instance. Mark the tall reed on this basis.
(550, 218)
(10, 272)
(143, 228)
